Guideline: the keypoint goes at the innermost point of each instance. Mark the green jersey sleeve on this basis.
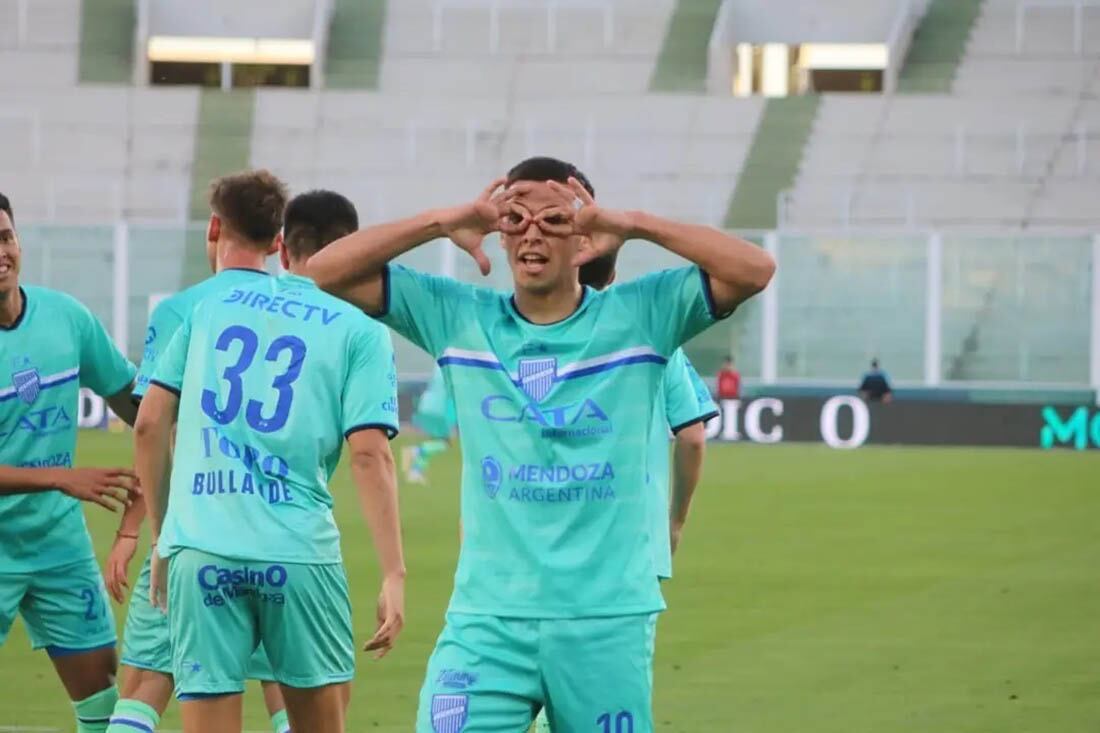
(672, 305)
(369, 397)
(684, 403)
(171, 364)
(425, 309)
(163, 324)
(103, 368)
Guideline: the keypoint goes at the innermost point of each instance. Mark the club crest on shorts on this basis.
(27, 384)
(536, 377)
(449, 713)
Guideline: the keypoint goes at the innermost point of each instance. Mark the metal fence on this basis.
(1005, 308)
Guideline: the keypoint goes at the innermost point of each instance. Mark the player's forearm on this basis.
(15, 480)
(376, 478)
(151, 456)
(133, 517)
(742, 266)
(362, 255)
(687, 469)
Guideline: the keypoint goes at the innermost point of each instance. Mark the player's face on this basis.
(538, 238)
(10, 254)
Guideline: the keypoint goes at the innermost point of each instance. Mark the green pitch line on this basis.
(882, 590)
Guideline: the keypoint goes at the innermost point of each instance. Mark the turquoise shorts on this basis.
(146, 643)
(66, 609)
(492, 675)
(220, 610)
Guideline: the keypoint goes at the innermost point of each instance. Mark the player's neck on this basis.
(549, 307)
(11, 305)
(234, 256)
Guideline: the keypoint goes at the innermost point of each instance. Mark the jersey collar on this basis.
(586, 297)
(22, 312)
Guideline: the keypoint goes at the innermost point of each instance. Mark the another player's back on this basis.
(260, 419)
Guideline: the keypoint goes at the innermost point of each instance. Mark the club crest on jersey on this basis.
(449, 713)
(536, 377)
(491, 475)
(27, 384)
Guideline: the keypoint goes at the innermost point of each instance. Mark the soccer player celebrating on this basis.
(685, 405)
(48, 572)
(435, 417)
(247, 216)
(267, 380)
(555, 388)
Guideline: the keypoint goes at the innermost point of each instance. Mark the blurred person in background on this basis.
(729, 381)
(435, 418)
(875, 385)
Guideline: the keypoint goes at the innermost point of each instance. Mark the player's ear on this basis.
(276, 244)
(611, 278)
(284, 256)
(214, 228)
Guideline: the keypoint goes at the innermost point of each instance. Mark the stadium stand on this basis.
(422, 100)
(979, 157)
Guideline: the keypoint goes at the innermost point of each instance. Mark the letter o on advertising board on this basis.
(861, 422)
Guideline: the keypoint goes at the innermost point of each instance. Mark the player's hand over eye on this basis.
(108, 487)
(117, 569)
(468, 225)
(391, 616)
(605, 230)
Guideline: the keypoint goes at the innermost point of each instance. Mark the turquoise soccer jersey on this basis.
(54, 346)
(686, 401)
(171, 312)
(556, 423)
(272, 376)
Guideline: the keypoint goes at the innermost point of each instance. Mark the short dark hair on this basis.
(5, 206)
(315, 219)
(598, 272)
(543, 168)
(251, 203)
(874, 363)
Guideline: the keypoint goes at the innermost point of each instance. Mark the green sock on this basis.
(133, 716)
(280, 723)
(94, 713)
(425, 451)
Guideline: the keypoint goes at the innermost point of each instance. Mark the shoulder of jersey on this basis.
(54, 298)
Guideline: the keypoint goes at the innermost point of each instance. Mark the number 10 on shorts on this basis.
(623, 723)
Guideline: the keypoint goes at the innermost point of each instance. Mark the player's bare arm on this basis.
(111, 488)
(152, 454)
(687, 469)
(351, 268)
(737, 269)
(375, 476)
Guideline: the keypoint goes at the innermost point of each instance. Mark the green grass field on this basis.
(877, 591)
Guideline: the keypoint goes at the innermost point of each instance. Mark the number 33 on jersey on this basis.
(260, 425)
